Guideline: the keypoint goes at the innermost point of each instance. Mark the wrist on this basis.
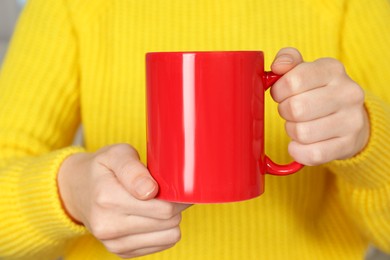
(69, 179)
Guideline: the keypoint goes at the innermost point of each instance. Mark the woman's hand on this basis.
(111, 192)
(323, 108)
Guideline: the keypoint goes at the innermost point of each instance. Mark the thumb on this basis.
(123, 161)
(285, 60)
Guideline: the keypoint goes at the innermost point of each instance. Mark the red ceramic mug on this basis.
(205, 125)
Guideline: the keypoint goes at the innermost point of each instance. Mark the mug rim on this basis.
(203, 52)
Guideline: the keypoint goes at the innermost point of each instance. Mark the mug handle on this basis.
(272, 168)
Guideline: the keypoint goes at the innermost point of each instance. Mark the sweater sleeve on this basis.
(39, 114)
(364, 180)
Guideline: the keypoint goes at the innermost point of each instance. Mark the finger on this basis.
(145, 251)
(157, 209)
(325, 128)
(118, 200)
(141, 225)
(131, 243)
(123, 161)
(285, 60)
(307, 76)
(311, 105)
(322, 152)
(131, 225)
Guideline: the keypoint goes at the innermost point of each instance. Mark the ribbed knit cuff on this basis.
(371, 167)
(40, 200)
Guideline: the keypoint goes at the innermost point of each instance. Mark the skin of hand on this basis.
(323, 108)
(112, 193)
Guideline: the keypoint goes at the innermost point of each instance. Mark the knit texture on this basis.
(83, 61)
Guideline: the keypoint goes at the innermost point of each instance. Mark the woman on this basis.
(75, 62)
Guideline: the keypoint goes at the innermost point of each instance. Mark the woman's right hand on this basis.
(112, 193)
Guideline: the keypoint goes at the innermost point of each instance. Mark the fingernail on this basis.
(144, 186)
(284, 59)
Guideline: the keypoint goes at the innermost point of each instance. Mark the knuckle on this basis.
(167, 211)
(114, 151)
(283, 109)
(293, 81)
(335, 65)
(103, 199)
(297, 109)
(356, 94)
(302, 133)
(176, 220)
(175, 235)
(99, 230)
(100, 158)
(316, 156)
(121, 149)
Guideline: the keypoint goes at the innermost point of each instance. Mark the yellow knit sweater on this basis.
(73, 62)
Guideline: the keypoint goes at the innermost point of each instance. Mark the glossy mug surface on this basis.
(205, 125)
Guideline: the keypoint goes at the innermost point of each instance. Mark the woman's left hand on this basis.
(323, 108)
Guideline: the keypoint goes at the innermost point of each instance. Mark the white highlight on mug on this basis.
(189, 120)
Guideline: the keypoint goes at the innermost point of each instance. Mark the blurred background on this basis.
(9, 12)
